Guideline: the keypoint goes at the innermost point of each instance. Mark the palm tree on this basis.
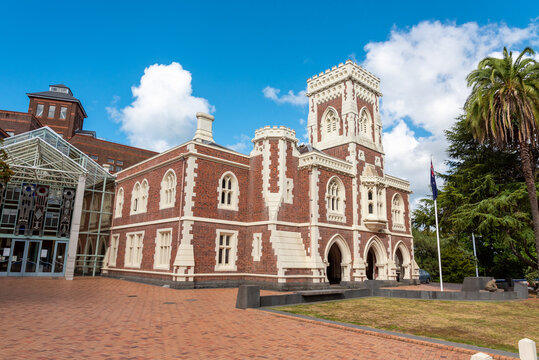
(504, 107)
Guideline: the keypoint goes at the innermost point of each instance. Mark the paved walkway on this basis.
(91, 318)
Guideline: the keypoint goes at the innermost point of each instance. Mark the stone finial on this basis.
(204, 127)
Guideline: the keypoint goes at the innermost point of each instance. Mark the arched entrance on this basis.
(398, 264)
(334, 271)
(371, 265)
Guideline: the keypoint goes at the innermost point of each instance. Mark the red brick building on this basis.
(285, 216)
(63, 113)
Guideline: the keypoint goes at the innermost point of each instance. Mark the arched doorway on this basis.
(371, 265)
(398, 263)
(334, 271)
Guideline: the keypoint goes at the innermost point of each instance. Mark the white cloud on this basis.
(298, 99)
(423, 73)
(243, 145)
(162, 114)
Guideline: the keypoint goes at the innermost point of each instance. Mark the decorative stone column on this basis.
(75, 227)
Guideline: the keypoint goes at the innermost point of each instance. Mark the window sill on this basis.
(161, 267)
(132, 266)
(336, 217)
(399, 227)
(225, 207)
(225, 268)
(163, 207)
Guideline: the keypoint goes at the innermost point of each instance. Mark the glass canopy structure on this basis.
(56, 210)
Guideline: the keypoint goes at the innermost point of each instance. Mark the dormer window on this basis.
(52, 111)
(59, 89)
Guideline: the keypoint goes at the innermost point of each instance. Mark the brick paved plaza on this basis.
(107, 318)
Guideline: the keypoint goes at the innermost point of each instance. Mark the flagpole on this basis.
(438, 241)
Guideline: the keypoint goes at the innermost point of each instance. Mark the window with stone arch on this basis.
(397, 212)
(139, 197)
(330, 122)
(365, 122)
(228, 191)
(335, 199)
(119, 203)
(370, 202)
(168, 190)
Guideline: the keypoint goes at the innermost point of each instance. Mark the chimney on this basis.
(204, 127)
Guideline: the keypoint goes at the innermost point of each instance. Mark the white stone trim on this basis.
(217, 274)
(381, 256)
(233, 256)
(256, 253)
(407, 258)
(336, 215)
(145, 223)
(113, 254)
(314, 159)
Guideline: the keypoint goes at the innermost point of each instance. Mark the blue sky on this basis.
(235, 50)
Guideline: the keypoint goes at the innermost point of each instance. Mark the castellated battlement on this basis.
(281, 132)
(337, 74)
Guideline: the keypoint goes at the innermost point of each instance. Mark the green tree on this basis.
(5, 172)
(503, 107)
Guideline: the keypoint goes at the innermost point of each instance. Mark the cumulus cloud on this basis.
(299, 99)
(423, 73)
(162, 114)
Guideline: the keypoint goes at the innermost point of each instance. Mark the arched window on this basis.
(119, 203)
(135, 201)
(397, 212)
(168, 190)
(365, 122)
(228, 192)
(370, 202)
(139, 197)
(330, 122)
(144, 195)
(335, 199)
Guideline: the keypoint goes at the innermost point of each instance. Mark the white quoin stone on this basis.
(481, 356)
(527, 349)
(204, 127)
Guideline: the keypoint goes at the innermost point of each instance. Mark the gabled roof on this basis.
(42, 156)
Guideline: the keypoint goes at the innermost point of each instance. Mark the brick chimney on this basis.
(204, 127)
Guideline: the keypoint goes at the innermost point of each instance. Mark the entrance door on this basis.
(398, 263)
(24, 258)
(334, 269)
(371, 265)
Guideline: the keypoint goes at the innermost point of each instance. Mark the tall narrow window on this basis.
(113, 250)
(119, 203)
(365, 122)
(397, 212)
(135, 199)
(335, 200)
(63, 112)
(168, 190)
(228, 192)
(39, 110)
(52, 111)
(225, 250)
(133, 249)
(163, 242)
(144, 188)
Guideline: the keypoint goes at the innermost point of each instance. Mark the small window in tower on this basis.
(63, 112)
(52, 111)
(94, 157)
(110, 161)
(369, 196)
(39, 111)
(118, 162)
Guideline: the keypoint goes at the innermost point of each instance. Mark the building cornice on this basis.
(314, 159)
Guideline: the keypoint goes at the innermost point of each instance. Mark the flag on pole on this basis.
(433, 182)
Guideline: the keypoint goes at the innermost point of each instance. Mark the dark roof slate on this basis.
(57, 96)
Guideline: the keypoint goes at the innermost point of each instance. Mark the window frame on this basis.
(167, 195)
(53, 107)
(397, 212)
(42, 106)
(119, 203)
(231, 192)
(65, 113)
(136, 249)
(157, 263)
(335, 200)
(232, 246)
(114, 242)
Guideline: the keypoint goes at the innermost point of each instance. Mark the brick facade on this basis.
(290, 206)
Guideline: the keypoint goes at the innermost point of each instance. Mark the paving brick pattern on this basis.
(112, 319)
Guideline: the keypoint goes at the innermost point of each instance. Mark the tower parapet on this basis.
(344, 108)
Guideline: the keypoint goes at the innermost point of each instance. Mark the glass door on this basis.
(32, 257)
(16, 260)
(60, 257)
